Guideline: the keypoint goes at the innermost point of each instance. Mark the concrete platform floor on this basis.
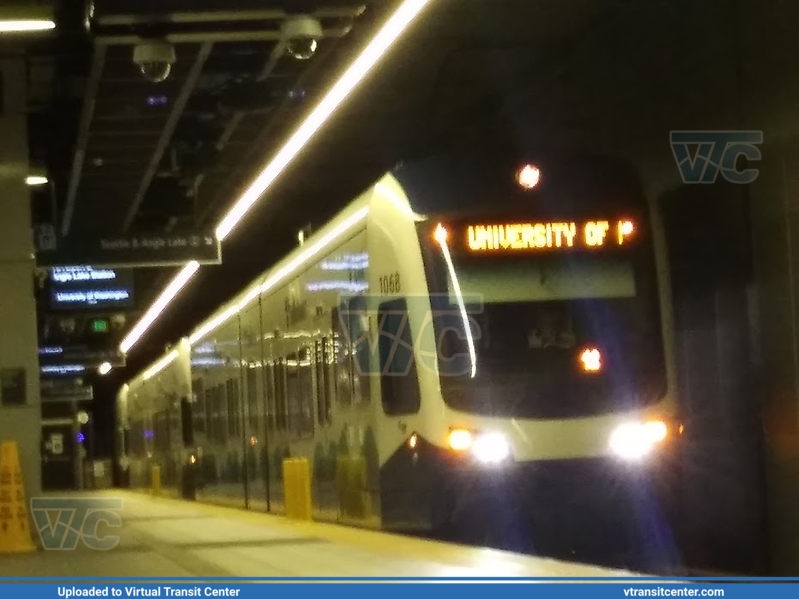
(163, 537)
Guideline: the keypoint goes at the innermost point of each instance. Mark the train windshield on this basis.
(547, 335)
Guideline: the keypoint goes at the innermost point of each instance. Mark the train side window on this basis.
(359, 334)
(210, 429)
(322, 381)
(198, 409)
(281, 409)
(269, 396)
(341, 358)
(305, 426)
(187, 422)
(220, 411)
(252, 398)
(398, 376)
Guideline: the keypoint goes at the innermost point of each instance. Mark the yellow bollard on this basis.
(289, 501)
(297, 488)
(302, 482)
(155, 480)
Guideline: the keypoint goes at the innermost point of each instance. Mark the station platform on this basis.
(164, 537)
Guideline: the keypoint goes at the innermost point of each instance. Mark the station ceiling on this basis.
(127, 154)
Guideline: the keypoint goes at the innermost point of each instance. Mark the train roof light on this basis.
(440, 234)
(528, 176)
(591, 359)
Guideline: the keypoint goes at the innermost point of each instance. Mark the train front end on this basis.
(559, 432)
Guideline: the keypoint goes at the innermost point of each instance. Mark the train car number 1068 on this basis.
(390, 283)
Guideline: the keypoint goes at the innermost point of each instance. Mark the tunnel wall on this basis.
(713, 65)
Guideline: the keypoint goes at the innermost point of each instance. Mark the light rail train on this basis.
(476, 330)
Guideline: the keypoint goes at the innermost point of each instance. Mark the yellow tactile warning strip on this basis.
(391, 545)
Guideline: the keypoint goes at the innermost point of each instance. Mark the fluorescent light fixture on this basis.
(105, 368)
(34, 180)
(159, 305)
(25, 25)
(382, 41)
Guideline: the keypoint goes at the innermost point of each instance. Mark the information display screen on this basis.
(76, 287)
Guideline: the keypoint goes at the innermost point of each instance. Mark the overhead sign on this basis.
(66, 389)
(135, 250)
(86, 357)
(68, 393)
(525, 237)
(90, 287)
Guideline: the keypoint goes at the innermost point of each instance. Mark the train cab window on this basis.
(398, 375)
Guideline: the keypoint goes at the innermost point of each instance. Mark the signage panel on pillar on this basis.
(13, 383)
(136, 250)
(88, 357)
(89, 287)
(66, 389)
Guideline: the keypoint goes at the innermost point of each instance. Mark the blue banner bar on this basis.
(510, 588)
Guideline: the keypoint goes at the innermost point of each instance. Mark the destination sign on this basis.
(135, 250)
(536, 236)
(89, 287)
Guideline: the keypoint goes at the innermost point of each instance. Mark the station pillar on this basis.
(19, 362)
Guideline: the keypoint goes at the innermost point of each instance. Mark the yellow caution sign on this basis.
(15, 532)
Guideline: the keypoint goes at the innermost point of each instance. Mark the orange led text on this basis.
(532, 236)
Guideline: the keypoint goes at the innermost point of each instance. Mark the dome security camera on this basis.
(301, 35)
(154, 59)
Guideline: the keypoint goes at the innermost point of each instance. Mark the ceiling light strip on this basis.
(159, 305)
(385, 37)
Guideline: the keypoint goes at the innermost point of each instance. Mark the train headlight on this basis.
(486, 448)
(460, 439)
(636, 440)
(491, 448)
